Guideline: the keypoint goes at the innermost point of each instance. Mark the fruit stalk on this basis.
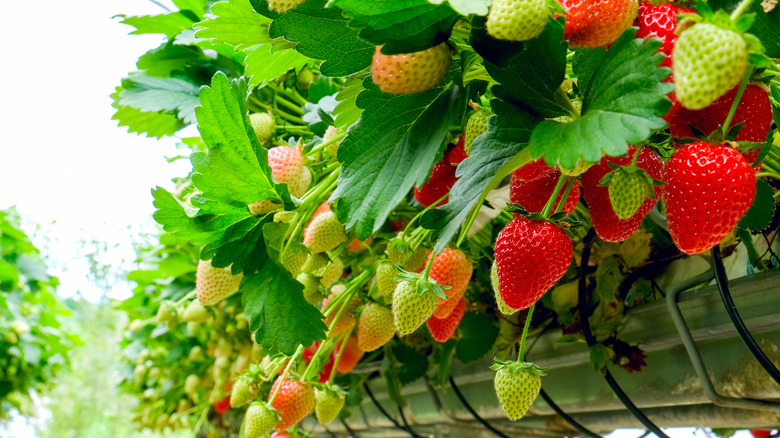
(550, 202)
(521, 351)
(737, 98)
(344, 338)
(325, 144)
(740, 10)
(293, 359)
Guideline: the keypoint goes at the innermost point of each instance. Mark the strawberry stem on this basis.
(565, 196)
(294, 358)
(464, 232)
(343, 346)
(636, 155)
(521, 352)
(562, 99)
(740, 9)
(733, 109)
(550, 202)
(325, 144)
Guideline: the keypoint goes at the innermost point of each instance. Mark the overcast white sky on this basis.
(63, 162)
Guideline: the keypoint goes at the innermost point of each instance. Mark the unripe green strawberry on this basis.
(502, 307)
(385, 278)
(264, 125)
(315, 264)
(331, 133)
(332, 273)
(517, 20)
(627, 192)
(329, 402)
(411, 310)
(311, 288)
(259, 420)
(191, 384)
(375, 327)
(517, 386)
(242, 393)
(294, 258)
(283, 5)
(399, 252)
(411, 72)
(195, 312)
(166, 312)
(477, 125)
(707, 62)
(215, 284)
(324, 233)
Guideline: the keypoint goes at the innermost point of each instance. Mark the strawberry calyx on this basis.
(738, 22)
(331, 388)
(424, 284)
(515, 366)
(559, 219)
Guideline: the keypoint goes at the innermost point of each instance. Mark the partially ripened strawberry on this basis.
(438, 185)
(608, 226)
(215, 284)
(350, 356)
(754, 110)
(411, 72)
(594, 23)
(288, 166)
(531, 256)
(375, 327)
(411, 310)
(324, 233)
(502, 307)
(294, 401)
(517, 20)
(259, 420)
(476, 125)
(451, 268)
(329, 402)
(517, 386)
(709, 188)
(347, 319)
(533, 194)
(263, 124)
(443, 329)
(283, 5)
(707, 62)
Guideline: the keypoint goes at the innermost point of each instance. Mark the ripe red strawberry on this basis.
(411, 72)
(531, 256)
(517, 20)
(531, 171)
(594, 23)
(259, 420)
(443, 329)
(709, 188)
(517, 386)
(222, 405)
(282, 435)
(329, 402)
(375, 327)
(411, 310)
(451, 268)
(608, 226)
(533, 194)
(294, 401)
(288, 166)
(351, 356)
(456, 155)
(215, 284)
(660, 22)
(760, 433)
(438, 185)
(324, 233)
(347, 319)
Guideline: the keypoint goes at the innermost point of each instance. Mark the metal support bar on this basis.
(722, 280)
(582, 306)
(672, 302)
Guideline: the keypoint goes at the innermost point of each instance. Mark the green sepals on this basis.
(330, 388)
(555, 7)
(422, 285)
(514, 367)
(555, 218)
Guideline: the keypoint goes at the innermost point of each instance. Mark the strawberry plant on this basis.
(346, 157)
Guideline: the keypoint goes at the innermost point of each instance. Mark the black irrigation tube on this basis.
(346, 426)
(722, 281)
(406, 423)
(473, 412)
(582, 306)
(566, 416)
(384, 412)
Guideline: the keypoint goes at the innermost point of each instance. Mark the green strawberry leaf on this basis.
(529, 73)
(494, 155)
(442, 356)
(412, 364)
(153, 124)
(237, 24)
(478, 333)
(271, 297)
(320, 33)
(389, 150)
(346, 111)
(169, 25)
(402, 26)
(608, 278)
(230, 172)
(761, 212)
(168, 58)
(467, 7)
(147, 93)
(623, 101)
